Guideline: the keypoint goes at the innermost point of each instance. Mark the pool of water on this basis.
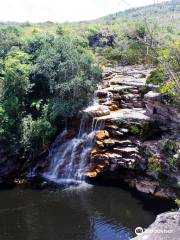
(75, 213)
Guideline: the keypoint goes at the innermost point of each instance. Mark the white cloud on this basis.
(63, 10)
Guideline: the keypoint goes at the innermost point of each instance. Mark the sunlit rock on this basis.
(101, 135)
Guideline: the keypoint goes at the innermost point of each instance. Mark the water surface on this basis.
(85, 213)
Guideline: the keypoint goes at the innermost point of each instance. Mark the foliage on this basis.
(44, 80)
(156, 77)
(135, 130)
(168, 146)
(36, 133)
(173, 162)
(9, 37)
(154, 165)
(177, 201)
(150, 130)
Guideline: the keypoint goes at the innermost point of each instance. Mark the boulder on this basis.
(152, 96)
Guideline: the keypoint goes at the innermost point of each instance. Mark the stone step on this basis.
(127, 160)
(124, 143)
(127, 105)
(131, 96)
(129, 81)
(126, 151)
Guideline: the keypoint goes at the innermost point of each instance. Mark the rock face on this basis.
(157, 109)
(165, 227)
(133, 146)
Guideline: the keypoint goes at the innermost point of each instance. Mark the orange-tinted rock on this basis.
(99, 144)
(109, 142)
(94, 152)
(91, 174)
(101, 135)
(113, 107)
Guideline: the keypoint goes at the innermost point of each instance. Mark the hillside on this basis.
(166, 13)
(168, 9)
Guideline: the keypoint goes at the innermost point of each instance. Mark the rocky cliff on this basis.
(139, 144)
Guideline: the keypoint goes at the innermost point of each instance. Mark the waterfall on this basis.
(69, 158)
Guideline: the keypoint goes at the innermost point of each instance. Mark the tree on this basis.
(15, 85)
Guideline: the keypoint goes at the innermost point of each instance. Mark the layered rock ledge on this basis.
(139, 130)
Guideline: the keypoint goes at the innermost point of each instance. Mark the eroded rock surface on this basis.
(133, 143)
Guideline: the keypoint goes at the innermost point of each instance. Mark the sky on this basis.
(63, 10)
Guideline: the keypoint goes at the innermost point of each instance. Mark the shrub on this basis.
(156, 77)
(154, 165)
(135, 130)
(150, 130)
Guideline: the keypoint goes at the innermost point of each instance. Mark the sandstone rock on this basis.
(97, 110)
(94, 152)
(109, 142)
(146, 186)
(138, 104)
(165, 193)
(117, 134)
(124, 130)
(128, 150)
(92, 174)
(101, 135)
(165, 227)
(100, 144)
(152, 96)
(113, 107)
(115, 127)
(123, 143)
(114, 157)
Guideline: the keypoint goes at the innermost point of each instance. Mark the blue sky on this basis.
(63, 10)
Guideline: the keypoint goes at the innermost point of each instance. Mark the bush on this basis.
(135, 130)
(156, 77)
(154, 165)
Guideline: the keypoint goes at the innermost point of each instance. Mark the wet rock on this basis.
(97, 110)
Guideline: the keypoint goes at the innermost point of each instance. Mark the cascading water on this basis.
(69, 158)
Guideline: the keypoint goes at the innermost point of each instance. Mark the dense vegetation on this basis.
(48, 72)
(45, 79)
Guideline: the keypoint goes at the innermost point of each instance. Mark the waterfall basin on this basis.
(74, 213)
